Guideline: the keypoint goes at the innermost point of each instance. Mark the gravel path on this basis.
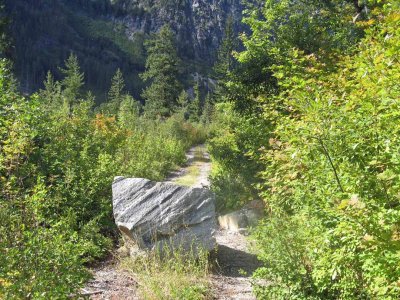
(234, 262)
(198, 161)
(111, 283)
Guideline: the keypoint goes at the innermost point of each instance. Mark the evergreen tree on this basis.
(129, 111)
(225, 60)
(116, 93)
(183, 103)
(72, 82)
(51, 95)
(207, 110)
(195, 108)
(162, 70)
(49, 83)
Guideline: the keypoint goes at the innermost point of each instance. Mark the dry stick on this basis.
(331, 163)
(85, 293)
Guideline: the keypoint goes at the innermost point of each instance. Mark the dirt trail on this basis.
(234, 262)
(196, 171)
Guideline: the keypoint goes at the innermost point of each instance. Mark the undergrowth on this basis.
(172, 274)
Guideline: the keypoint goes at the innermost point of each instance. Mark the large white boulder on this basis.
(155, 214)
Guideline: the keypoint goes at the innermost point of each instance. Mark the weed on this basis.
(172, 274)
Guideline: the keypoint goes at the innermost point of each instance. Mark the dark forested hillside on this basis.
(106, 35)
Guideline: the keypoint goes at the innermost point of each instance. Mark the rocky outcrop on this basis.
(199, 24)
(156, 214)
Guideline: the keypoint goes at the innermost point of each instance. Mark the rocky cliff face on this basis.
(199, 24)
(109, 34)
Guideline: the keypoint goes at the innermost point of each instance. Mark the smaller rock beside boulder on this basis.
(156, 214)
(240, 220)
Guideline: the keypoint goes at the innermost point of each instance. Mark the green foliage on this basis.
(208, 110)
(195, 107)
(183, 103)
(232, 141)
(319, 27)
(117, 96)
(331, 172)
(37, 261)
(173, 274)
(116, 92)
(225, 62)
(313, 119)
(56, 170)
(162, 68)
(128, 112)
(287, 258)
(159, 146)
(72, 82)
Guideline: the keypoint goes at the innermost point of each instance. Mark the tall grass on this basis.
(172, 274)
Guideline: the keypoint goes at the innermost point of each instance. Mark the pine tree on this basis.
(183, 103)
(208, 110)
(116, 93)
(225, 60)
(51, 95)
(162, 70)
(49, 83)
(195, 108)
(129, 111)
(72, 82)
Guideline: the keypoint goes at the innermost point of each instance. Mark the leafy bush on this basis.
(287, 245)
(233, 138)
(57, 163)
(159, 145)
(332, 173)
(37, 260)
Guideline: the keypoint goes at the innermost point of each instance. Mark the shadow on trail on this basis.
(205, 159)
(234, 263)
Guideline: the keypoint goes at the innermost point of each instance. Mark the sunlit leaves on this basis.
(335, 163)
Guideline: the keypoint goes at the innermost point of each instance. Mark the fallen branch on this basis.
(86, 293)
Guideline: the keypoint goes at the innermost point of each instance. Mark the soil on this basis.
(111, 283)
(234, 263)
(232, 279)
(197, 157)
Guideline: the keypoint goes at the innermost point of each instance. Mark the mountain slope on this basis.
(108, 34)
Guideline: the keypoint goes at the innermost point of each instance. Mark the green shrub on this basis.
(57, 163)
(159, 147)
(332, 173)
(233, 138)
(288, 245)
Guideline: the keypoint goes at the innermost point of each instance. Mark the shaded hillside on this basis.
(106, 36)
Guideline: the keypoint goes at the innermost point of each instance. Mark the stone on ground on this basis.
(240, 220)
(156, 214)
